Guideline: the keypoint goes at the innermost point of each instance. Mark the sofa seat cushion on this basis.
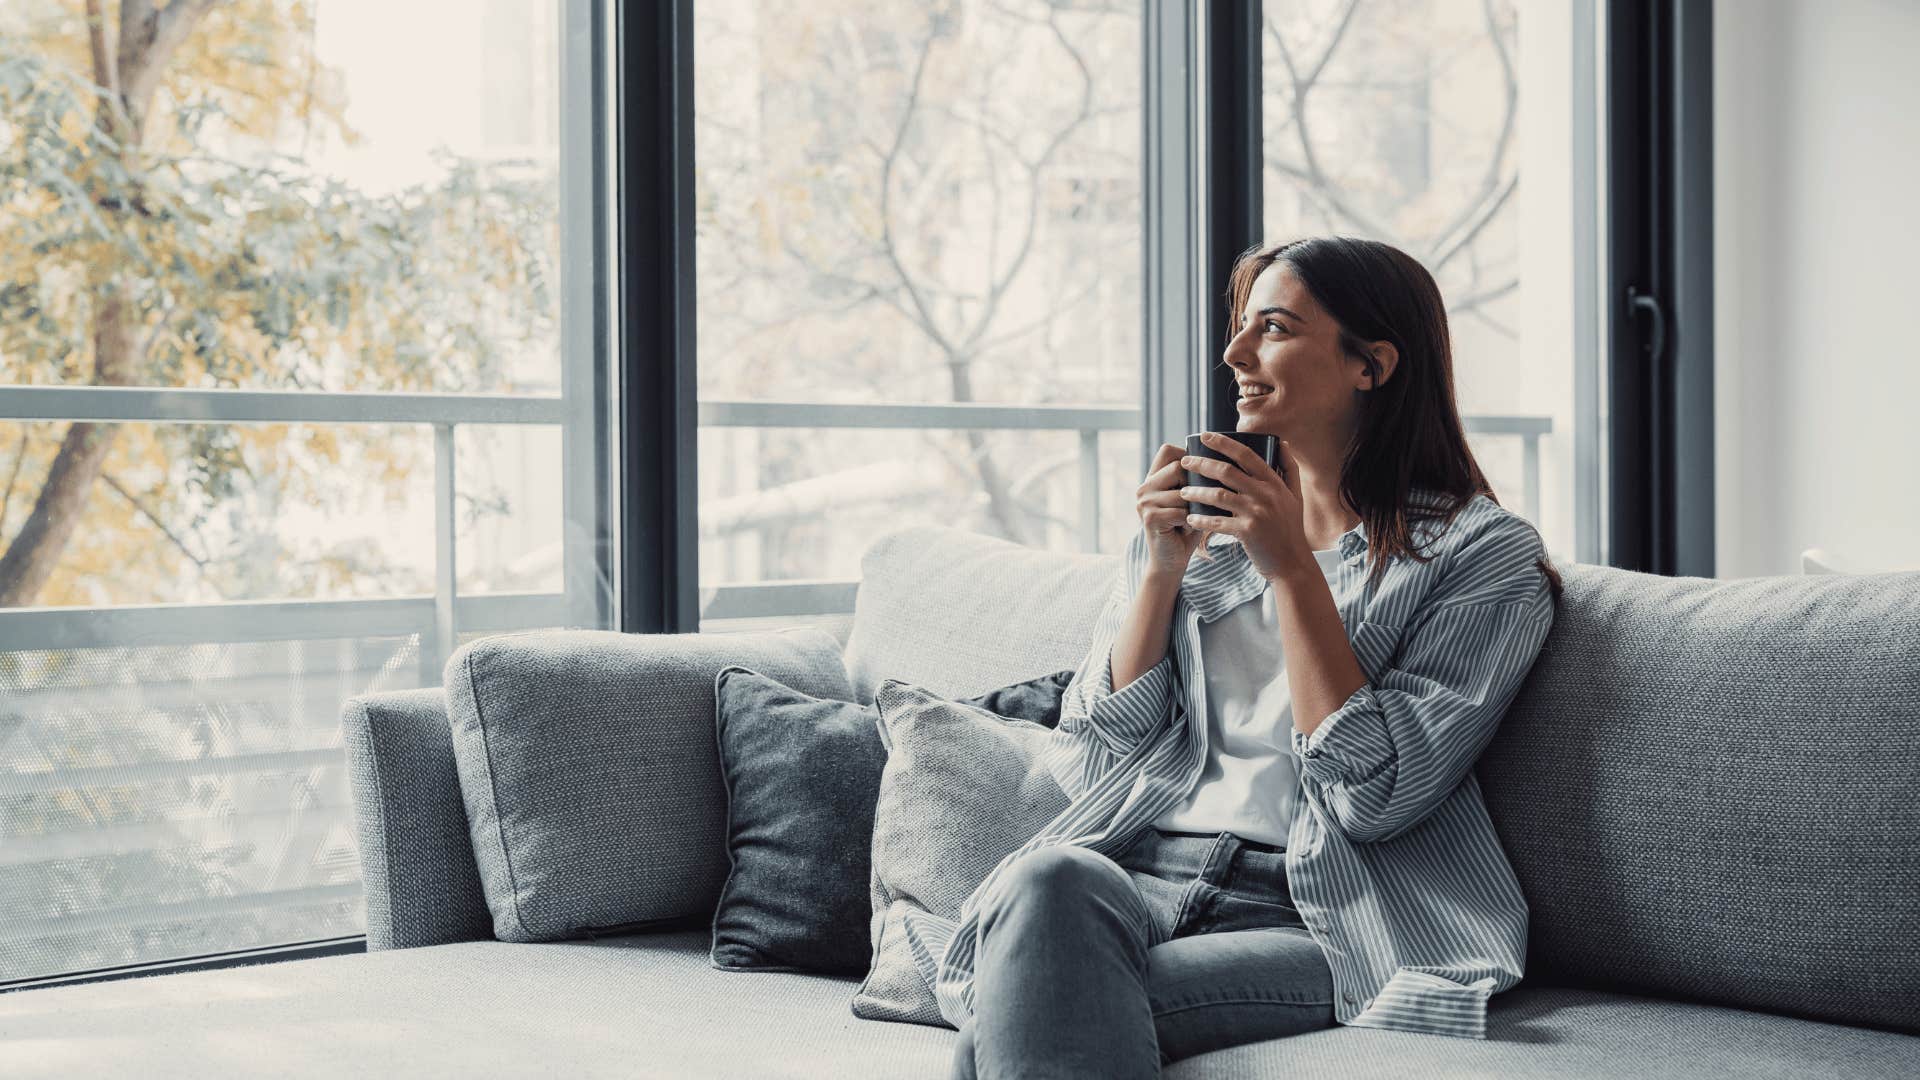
(651, 1005)
(1560, 1033)
(636, 1005)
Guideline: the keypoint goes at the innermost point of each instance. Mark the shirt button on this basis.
(1348, 998)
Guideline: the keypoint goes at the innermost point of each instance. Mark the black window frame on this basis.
(1659, 285)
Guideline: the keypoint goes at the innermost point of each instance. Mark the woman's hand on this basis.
(1266, 505)
(1163, 515)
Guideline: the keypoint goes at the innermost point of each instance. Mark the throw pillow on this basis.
(802, 774)
(960, 792)
(586, 765)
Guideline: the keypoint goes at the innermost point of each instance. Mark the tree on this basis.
(1383, 68)
(156, 229)
(916, 178)
(157, 235)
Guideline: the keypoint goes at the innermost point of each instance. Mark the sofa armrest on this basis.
(416, 856)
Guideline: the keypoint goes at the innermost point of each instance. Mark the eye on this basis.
(1275, 325)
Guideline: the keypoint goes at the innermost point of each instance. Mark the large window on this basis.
(1462, 131)
(919, 251)
(298, 397)
(303, 385)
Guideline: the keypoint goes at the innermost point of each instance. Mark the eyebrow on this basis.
(1276, 309)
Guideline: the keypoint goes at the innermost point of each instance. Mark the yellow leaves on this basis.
(323, 443)
(256, 57)
(77, 130)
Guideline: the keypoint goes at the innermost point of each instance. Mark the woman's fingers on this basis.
(1164, 520)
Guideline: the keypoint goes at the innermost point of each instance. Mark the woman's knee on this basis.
(1062, 891)
(1058, 872)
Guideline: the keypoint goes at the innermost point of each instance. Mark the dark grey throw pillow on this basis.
(802, 775)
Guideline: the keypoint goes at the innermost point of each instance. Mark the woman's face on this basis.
(1288, 343)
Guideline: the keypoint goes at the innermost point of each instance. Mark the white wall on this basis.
(1817, 315)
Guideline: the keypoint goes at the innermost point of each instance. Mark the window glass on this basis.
(280, 335)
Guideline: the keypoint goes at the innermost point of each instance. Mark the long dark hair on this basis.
(1409, 433)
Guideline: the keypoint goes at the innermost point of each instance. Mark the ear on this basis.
(1386, 357)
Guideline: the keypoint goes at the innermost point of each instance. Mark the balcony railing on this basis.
(440, 617)
(437, 621)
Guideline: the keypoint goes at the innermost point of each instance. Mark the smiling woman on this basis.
(1352, 335)
(1279, 701)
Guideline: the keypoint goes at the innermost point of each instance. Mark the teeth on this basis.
(1249, 391)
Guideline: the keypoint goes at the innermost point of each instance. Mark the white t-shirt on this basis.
(1250, 784)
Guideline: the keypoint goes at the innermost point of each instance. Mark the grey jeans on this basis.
(1113, 967)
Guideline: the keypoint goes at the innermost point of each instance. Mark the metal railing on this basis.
(440, 618)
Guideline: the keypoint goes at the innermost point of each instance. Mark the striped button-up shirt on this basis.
(1393, 862)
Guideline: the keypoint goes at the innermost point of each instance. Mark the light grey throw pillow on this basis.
(962, 789)
(589, 771)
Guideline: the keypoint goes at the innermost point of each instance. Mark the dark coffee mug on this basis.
(1265, 445)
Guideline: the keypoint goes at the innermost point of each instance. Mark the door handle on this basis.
(1637, 302)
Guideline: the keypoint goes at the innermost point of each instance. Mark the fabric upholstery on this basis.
(959, 613)
(422, 885)
(962, 789)
(802, 776)
(1707, 790)
(587, 766)
(649, 1006)
(1602, 734)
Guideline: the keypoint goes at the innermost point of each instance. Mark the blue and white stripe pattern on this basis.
(1393, 863)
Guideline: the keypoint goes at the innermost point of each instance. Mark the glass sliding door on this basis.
(297, 395)
(919, 270)
(1463, 132)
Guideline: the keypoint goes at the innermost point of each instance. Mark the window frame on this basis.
(1659, 285)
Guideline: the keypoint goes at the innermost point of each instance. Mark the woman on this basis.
(1275, 825)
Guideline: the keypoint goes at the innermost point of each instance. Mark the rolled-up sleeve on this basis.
(1089, 704)
(1401, 743)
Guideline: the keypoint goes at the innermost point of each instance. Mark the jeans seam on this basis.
(1193, 887)
(1190, 1006)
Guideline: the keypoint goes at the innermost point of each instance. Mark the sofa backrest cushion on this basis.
(961, 613)
(1710, 789)
(588, 765)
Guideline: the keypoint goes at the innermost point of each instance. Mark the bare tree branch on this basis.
(929, 325)
(1485, 296)
(1485, 214)
(199, 561)
(1323, 188)
(105, 74)
(1441, 251)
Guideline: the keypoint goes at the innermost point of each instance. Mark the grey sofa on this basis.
(1707, 788)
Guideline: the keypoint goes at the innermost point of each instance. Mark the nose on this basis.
(1237, 354)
